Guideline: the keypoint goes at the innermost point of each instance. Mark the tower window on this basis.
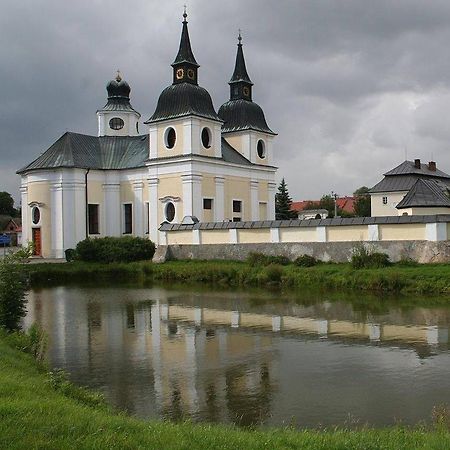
(93, 219)
(116, 123)
(385, 200)
(128, 218)
(170, 212)
(207, 203)
(170, 137)
(206, 137)
(261, 149)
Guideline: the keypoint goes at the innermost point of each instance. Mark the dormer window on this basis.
(116, 123)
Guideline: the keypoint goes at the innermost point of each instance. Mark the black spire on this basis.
(240, 83)
(185, 66)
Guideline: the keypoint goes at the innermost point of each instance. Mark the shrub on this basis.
(365, 257)
(306, 261)
(271, 274)
(260, 259)
(12, 293)
(33, 342)
(112, 249)
(408, 262)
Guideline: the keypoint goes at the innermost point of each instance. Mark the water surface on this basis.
(249, 357)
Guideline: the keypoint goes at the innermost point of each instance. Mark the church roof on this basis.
(241, 115)
(240, 70)
(94, 152)
(74, 150)
(185, 54)
(424, 193)
(183, 99)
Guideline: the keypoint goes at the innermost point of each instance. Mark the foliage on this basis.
(7, 205)
(59, 381)
(261, 259)
(327, 202)
(113, 249)
(362, 205)
(33, 341)
(24, 252)
(12, 293)
(283, 203)
(365, 257)
(306, 261)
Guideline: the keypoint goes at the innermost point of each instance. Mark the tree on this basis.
(283, 203)
(362, 204)
(7, 204)
(12, 293)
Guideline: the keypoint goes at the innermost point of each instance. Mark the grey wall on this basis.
(421, 251)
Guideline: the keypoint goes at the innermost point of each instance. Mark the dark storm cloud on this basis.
(350, 86)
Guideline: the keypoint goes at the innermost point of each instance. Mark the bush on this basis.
(12, 293)
(33, 342)
(271, 275)
(112, 249)
(306, 261)
(365, 257)
(260, 259)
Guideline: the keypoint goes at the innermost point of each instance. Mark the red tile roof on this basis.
(344, 203)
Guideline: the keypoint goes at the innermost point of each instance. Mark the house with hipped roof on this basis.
(411, 188)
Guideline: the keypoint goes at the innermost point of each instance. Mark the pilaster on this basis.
(111, 194)
(219, 207)
(254, 199)
(153, 208)
(138, 188)
(57, 232)
(271, 201)
(25, 214)
(192, 194)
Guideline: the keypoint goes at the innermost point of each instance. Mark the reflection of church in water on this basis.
(170, 357)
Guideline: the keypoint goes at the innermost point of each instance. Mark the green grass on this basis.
(420, 279)
(33, 415)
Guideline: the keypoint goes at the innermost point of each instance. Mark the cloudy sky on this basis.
(351, 86)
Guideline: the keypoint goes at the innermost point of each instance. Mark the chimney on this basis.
(417, 164)
(432, 166)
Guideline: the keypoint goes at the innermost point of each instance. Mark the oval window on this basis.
(206, 137)
(170, 137)
(170, 212)
(116, 123)
(36, 215)
(261, 149)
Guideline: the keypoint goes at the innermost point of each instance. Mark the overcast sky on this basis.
(350, 87)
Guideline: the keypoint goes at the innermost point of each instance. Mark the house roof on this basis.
(73, 150)
(424, 193)
(344, 203)
(5, 220)
(403, 177)
(408, 168)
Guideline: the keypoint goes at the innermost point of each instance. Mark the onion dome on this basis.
(118, 95)
(241, 112)
(184, 97)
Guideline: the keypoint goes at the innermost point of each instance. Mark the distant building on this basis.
(343, 203)
(11, 226)
(412, 188)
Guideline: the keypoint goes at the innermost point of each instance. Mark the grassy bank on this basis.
(34, 415)
(420, 279)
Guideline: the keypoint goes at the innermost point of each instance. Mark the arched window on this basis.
(35, 215)
(261, 149)
(170, 137)
(170, 211)
(206, 137)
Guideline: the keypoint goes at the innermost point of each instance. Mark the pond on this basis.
(250, 358)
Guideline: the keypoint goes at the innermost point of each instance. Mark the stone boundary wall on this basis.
(420, 251)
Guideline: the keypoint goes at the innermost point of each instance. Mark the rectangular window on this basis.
(147, 217)
(207, 203)
(385, 199)
(93, 219)
(128, 216)
(237, 208)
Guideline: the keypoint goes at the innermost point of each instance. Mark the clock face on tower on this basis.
(246, 91)
(190, 74)
(180, 74)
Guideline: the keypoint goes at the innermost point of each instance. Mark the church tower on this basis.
(184, 122)
(118, 117)
(245, 126)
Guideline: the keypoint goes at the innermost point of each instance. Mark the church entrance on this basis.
(37, 244)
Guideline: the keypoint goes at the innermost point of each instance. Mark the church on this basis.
(189, 161)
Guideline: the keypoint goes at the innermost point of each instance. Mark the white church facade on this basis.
(191, 161)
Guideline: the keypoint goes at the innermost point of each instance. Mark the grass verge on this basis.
(35, 415)
(420, 279)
